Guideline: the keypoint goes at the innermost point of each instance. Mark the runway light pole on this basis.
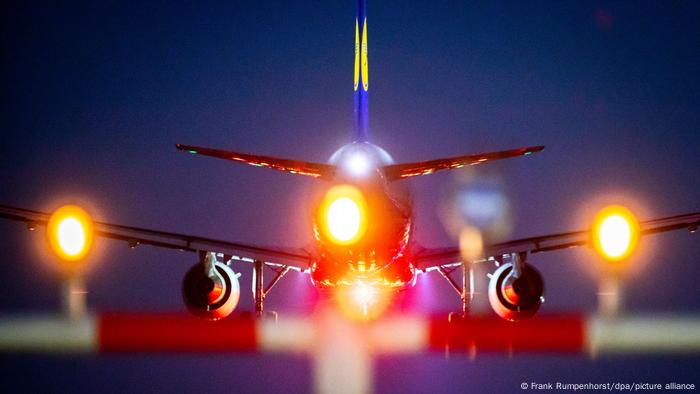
(614, 235)
(69, 232)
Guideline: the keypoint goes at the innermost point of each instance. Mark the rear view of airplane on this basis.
(363, 227)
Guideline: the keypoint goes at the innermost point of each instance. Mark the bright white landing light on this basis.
(615, 235)
(71, 236)
(364, 295)
(344, 219)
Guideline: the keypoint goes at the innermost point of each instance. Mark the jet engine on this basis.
(211, 290)
(514, 297)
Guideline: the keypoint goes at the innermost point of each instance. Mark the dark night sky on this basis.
(95, 96)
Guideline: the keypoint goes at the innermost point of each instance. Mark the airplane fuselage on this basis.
(362, 223)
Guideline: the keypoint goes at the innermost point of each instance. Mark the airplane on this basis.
(362, 224)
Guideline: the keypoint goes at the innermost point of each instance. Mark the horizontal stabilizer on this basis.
(316, 170)
(407, 170)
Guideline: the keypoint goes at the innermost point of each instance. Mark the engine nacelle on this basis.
(209, 298)
(514, 299)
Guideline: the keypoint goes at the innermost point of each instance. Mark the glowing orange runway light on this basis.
(70, 233)
(615, 233)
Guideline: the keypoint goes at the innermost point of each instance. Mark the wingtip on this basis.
(187, 148)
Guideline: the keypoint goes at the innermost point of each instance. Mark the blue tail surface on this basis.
(361, 78)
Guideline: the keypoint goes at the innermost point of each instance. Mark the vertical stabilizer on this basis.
(361, 76)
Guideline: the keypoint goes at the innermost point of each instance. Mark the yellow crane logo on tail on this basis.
(357, 54)
(365, 83)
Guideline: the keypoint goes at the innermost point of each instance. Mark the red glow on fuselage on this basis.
(381, 256)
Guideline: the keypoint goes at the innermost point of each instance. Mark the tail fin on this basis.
(361, 77)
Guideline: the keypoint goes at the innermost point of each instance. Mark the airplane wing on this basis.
(135, 236)
(311, 169)
(407, 170)
(438, 257)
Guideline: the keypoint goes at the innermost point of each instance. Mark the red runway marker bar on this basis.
(173, 333)
(565, 333)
